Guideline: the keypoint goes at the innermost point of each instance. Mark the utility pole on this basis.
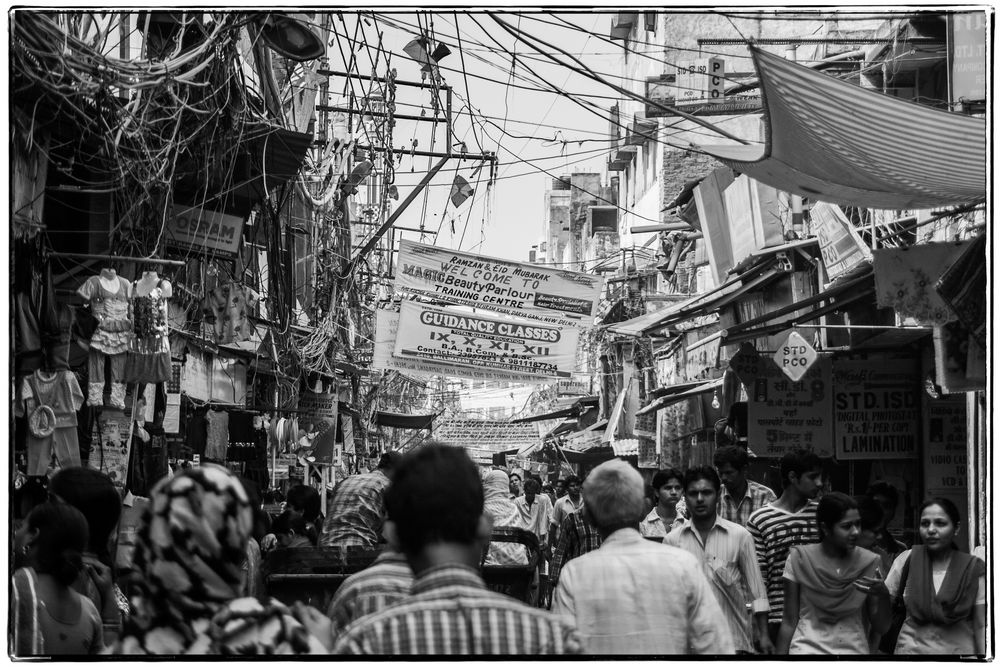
(433, 169)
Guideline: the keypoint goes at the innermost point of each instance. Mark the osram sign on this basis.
(201, 229)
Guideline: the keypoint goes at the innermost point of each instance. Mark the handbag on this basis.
(887, 644)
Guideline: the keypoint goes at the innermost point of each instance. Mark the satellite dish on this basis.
(291, 36)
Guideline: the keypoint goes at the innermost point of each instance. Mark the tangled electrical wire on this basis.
(169, 119)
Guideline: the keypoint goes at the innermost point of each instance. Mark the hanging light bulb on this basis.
(715, 400)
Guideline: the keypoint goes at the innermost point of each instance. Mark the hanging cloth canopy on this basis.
(831, 140)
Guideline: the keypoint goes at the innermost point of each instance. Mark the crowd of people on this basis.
(703, 561)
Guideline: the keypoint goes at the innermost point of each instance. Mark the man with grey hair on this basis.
(634, 596)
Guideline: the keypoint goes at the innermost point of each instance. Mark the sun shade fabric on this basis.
(397, 420)
(833, 141)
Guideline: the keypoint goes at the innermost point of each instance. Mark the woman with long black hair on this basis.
(944, 589)
(830, 600)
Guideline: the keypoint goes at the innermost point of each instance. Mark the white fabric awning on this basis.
(831, 140)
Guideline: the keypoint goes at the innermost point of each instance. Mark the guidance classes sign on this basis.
(386, 328)
(524, 290)
(476, 340)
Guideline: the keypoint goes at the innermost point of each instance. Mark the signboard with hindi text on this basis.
(533, 291)
(386, 326)
(784, 414)
(492, 435)
(458, 338)
(876, 408)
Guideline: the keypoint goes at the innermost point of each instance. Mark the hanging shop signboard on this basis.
(318, 425)
(945, 458)
(386, 327)
(795, 356)
(525, 290)
(202, 230)
(839, 243)
(700, 81)
(784, 414)
(457, 338)
(496, 436)
(968, 55)
(876, 408)
(578, 386)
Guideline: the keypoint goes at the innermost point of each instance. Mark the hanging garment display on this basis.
(226, 307)
(149, 357)
(50, 401)
(108, 294)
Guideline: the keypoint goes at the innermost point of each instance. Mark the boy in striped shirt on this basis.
(788, 521)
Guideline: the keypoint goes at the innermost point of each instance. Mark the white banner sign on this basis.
(492, 435)
(386, 325)
(525, 290)
(474, 340)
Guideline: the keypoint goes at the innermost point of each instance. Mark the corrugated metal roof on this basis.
(840, 143)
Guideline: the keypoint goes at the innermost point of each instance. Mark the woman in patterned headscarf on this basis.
(189, 551)
(502, 511)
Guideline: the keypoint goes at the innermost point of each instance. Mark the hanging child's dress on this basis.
(149, 359)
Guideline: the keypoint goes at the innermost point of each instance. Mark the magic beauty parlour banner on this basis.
(465, 339)
(538, 292)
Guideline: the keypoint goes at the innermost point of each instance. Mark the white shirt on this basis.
(634, 596)
(537, 516)
(730, 564)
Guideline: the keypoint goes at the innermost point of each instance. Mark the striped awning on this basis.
(831, 140)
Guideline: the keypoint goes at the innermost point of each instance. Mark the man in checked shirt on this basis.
(435, 518)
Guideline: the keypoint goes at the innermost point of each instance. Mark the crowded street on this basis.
(493, 333)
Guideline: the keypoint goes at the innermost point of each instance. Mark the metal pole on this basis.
(370, 243)
(119, 258)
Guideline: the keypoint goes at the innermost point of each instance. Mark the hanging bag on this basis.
(887, 644)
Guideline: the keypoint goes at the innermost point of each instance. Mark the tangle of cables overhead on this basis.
(149, 124)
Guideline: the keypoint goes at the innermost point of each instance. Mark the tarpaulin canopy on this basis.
(397, 420)
(831, 140)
